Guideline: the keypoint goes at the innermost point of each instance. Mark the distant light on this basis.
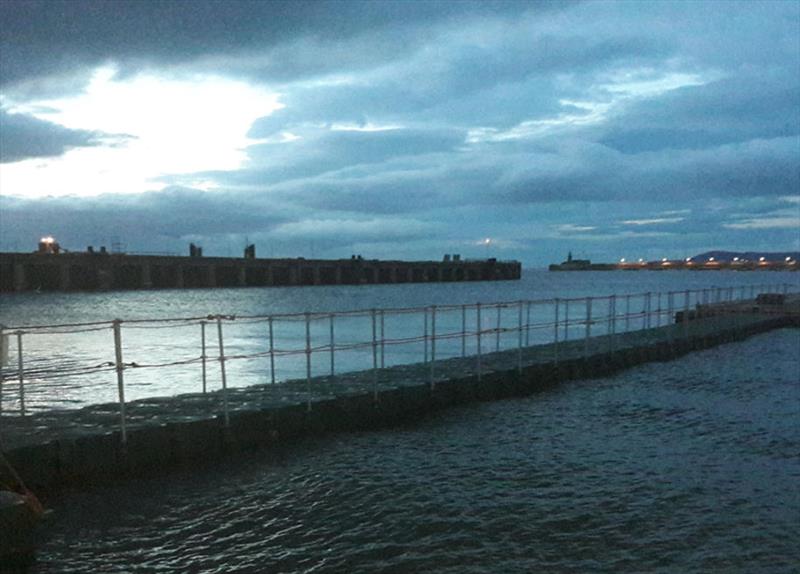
(711, 259)
(736, 259)
(688, 259)
(663, 259)
(49, 239)
(762, 258)
(487, 241)
(641, 260)
(788, 259)
(623, 260)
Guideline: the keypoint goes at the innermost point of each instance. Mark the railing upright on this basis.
(21, 373)
(375, 355)
(497, 328)
(463, 330)
(627, 312)
(478, 336)
(383, 340)
(3, 358)
(555, 334)
(566, 320)
(528, 324)
(433, 345)
(519, 340)
(332, 345)
(686, 315)
(123, 429)
(425, 334)
(226, 415)
(203, 355)
(307, 317)
(612, 322)
(271, 350)
(588, 327)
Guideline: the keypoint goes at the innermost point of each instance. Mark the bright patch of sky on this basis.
(163, 126)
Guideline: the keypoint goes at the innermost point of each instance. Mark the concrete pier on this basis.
(61, 448)
(91, 271)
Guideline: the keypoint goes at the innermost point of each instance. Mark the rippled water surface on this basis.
(687, 466)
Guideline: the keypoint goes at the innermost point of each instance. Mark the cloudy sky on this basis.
(402, 129)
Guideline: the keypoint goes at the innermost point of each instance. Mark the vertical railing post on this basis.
(3, 359)
(226, 415)
(203, 355)
(785, 288)
(123, 429)
(463, 330)
(670, 315)
(433, 344)
(332, 345)
(658, 309)
(555, 334)
(648, 308)
(271, 350)
(307, 317)
(383, 341)
(566, 319)
(686, 315)
(375, 354)
(627, 312)
(519, 340)
(425, 334)
(497, 328)
(528, 324)
(612, 321)
(21, 374)
(478, 336)
(588, 327)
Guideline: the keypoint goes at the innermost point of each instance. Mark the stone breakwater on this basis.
(60, 448)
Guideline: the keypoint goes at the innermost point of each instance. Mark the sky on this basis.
(401, 130)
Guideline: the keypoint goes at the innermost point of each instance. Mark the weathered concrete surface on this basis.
(67, 447)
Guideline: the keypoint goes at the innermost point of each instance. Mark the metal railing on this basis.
(430, 334)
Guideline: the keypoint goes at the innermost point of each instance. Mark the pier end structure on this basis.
(97, 271)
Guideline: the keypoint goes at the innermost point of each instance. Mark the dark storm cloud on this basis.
(42, 37)
(23, 137)
(730, 110)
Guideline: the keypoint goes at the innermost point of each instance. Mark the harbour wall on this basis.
(111, 271)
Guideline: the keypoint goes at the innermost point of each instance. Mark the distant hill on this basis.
(726, 256)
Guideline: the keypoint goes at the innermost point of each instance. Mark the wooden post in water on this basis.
(120, 381)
